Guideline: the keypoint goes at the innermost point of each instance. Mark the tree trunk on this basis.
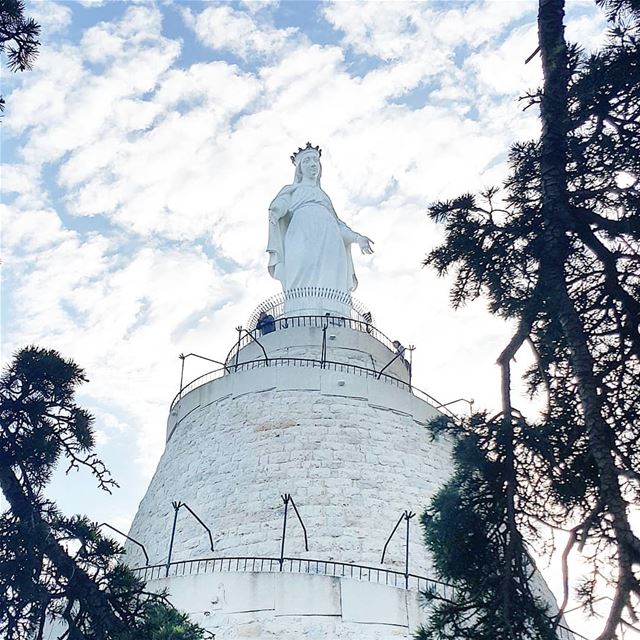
(557, 221)
(88, 595)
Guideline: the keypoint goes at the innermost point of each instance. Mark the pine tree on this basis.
(52, 565)
(18, 37)
(559, 255)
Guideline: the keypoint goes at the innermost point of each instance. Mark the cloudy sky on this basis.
(143, 149)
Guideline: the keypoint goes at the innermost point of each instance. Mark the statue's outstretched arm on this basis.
(351, 236)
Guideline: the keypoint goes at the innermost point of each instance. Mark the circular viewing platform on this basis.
(329, 343)
(276, 337)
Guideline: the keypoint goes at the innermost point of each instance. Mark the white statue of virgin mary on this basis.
(309, 246)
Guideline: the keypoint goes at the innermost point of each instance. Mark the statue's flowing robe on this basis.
(310, 246)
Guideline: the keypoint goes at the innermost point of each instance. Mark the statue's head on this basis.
(307, 161)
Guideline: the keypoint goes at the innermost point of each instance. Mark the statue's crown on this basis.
(300, 152)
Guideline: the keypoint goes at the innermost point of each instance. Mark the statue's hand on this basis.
(365, 244)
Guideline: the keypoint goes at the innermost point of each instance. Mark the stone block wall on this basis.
(353, 452)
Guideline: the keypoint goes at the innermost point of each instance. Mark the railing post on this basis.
(239, 330)
(176, 507)
(446, 404)
(285, 498)
(411, 349)
(146, 555)
(190, 510)
(252, 337)
(304, 529)
(386, 544)
(182, 357)
(386, 366)
(407, 516)
(323, 355)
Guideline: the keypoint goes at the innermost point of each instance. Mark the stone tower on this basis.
(316, 418)
(287, 469)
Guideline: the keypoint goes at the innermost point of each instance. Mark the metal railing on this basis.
(287, 498)
(275, 305)
(406, 516)
(341, 367)
(295, 565)
(316, 322)
(331, 568)
(177, 505)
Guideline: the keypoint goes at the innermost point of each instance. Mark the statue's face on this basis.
(310, 166)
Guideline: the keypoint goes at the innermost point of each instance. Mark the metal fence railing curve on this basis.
(379, 575)
(275, 306)
(312, 321)
(332, 568)
(341, 367)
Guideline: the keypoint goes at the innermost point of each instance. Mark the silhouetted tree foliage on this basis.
(560, 256)
(466, 528)
(18, 37)
(51, 564)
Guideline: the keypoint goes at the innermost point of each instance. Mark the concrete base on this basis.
(292, 606)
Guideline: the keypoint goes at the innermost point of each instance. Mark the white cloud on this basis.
(204, 83)
(222, 27)
(589, 31)
(140, 27)
(410, 30)
(27, 230)
(115, 317)
(41, 97)
(503, 69)
(23, 182)
(480, 23)
(52, 17)
(388, 30)
(101, 437)
(66, 106)
(255, 6)
(102, 43)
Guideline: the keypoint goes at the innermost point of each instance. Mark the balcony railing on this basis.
(331, 568)
(275, 306)
(341, 367)
(294, 565)
(317, 322)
